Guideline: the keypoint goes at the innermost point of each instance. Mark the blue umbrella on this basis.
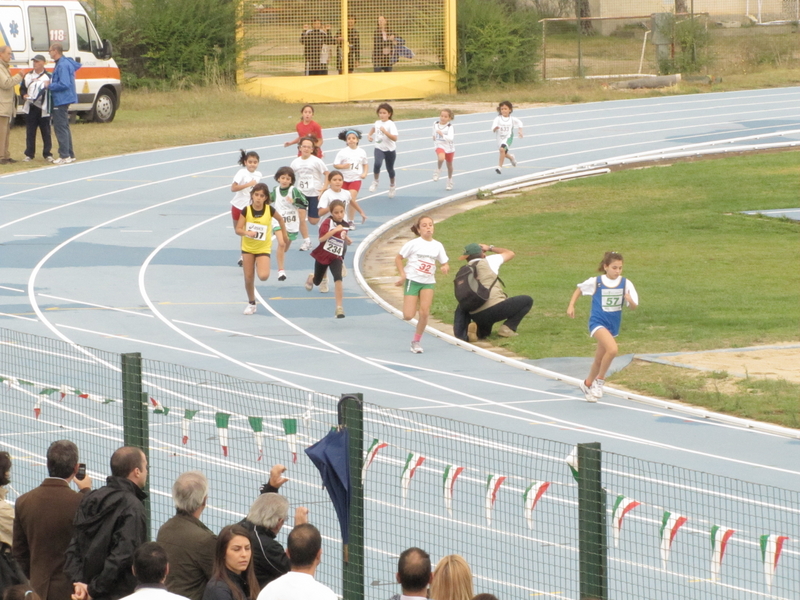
(330, 456)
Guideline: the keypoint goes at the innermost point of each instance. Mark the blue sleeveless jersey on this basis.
(607, 307)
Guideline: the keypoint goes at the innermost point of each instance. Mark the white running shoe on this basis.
(587, 392)
(70, 159)
(310, 282)
(391, 191)
(436, 175)
(597, 388)
(27, 159)
(512, 159)
(344, 270)
(499, 171)
(281, 275)
(323, 286)
(60, 161)
(449, 185)
(49, 159)
(373, 186)
(340, 312)
(240, 263)
(306, 246)
(416, 348)
(250, 309)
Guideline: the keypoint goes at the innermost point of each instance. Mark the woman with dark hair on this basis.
(6, 509)
(383, 50)
(233, 577)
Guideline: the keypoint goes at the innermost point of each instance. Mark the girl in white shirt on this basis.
(352, 162)
(311, 174)
(503, 127)
(243, 183)
(385, 134)
(336, 191)
(443, 136)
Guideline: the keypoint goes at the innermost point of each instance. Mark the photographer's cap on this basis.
(39, 58)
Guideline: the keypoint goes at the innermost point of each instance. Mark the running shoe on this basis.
(373, 186)
(60, 161)
(597, 388)
(340, 312)
(306, 246)
(310, 283)
(344, 270)
(499, 171)
(281, 275)
(436, 175)
(587, 392)
(240, 263)
(506, 331)
(512, 159)
(323, 287)
(250, 309)
(449, 185)
(391, 191)
(71, 159)
(48, 158)
(416, 348)
(27, 159)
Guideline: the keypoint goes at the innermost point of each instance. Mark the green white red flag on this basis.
(413, 460)
(531, 496)
(572, 462)
(622, 506)
(372, 452)
(188, 415)
(493, 483)
(771, 548)
(37, 408)
(451, 473)
(257, 425)
(158, 408)
(719, 541)
(290, 429)
(222, 430)
(670, 523)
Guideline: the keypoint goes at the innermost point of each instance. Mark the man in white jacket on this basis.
(7, 109)
(37, 112)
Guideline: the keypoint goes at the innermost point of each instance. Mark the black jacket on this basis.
(217, 589)
(110, 524)
(269, 558)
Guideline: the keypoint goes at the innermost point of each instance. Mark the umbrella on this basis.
(330, 456)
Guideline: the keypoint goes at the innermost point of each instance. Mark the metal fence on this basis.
(533, 517)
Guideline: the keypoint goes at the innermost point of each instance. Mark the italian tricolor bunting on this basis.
(372, 452)
(531, 496)
(188, 415)
(771, 548)
(290, 429)
(493, 483)
(622, 506)
(222, 430)
(257, 425)
(37, 408)
(719, 541)
(413, 460)
(451, 473)
(572, 461)
(159, 409)
(670, 523)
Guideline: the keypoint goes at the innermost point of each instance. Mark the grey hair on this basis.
(190, 491)
(268, 509)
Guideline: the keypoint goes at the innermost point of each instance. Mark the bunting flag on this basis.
(257, 424)
(670, 523)
(531, 496)
(37, 408)
(451, 473)
(771, 548)
(493, 483)
(622, 506)
(222, 430)
(370, 456)
(10, 381)
(65, 389)
(159, 409)
(572, 461)
(101, 400)
(62, 390)
(719, 541)
(188, 415)
(413, 460)
(290, 429)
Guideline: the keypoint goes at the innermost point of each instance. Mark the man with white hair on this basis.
(7, 105)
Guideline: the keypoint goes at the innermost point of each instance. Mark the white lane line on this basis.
(18, 317)
(258, 337)
(135, 231)
(30, 235)
(4, 287)
(103, 306)
(130, 339)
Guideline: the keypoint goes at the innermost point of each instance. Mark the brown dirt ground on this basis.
(771, 363)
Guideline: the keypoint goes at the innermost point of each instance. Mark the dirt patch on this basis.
(771, 363)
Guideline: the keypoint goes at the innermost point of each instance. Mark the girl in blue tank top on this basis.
(609, 292)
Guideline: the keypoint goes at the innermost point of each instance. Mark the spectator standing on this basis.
(413, 574)
(6, 508)
(234, 577)
(7, 105)
(110, 524)
(62, 93)
(150, 567)
(354, 45)
(452, 579)
(37, 110)
(304, 548)
(43, 523)
(188, 543)
(315, 40)
(383, 47)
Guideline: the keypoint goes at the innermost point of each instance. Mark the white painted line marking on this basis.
(130, 339)
(18, 317)
(3, 287)
(103, 306)
(258, 337)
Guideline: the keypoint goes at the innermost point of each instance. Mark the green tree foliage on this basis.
(179, 41)
(498, 43)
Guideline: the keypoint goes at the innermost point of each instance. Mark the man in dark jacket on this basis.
(110, 524)
(63, 93)
(43, 523)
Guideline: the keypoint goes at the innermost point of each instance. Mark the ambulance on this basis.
(28, 27)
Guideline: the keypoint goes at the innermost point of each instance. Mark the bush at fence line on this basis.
(170, 42)
(498, 43)
(690, 39)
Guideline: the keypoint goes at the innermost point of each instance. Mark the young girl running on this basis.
(352, 162)
(333, 240)
(308, 127)
(311, 174)
(608, 292)
(336, 191)
(503, 127)
(290, 203)
(243, 182)
(254, 227)
(417, 276)
(443, 136)
(385, 134)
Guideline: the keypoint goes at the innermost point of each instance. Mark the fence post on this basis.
(591, 523)
(352, 416)
(135, 427)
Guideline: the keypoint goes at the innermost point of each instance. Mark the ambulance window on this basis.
(48, 25)
(82, 33)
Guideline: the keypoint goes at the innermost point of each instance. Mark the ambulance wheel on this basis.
(105, 108)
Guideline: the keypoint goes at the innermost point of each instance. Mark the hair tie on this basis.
(353, 131)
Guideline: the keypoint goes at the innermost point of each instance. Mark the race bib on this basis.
(260, 231)
(334, 245)
(612, 300)
(425, 268)
(289, 217)
(305, 185)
